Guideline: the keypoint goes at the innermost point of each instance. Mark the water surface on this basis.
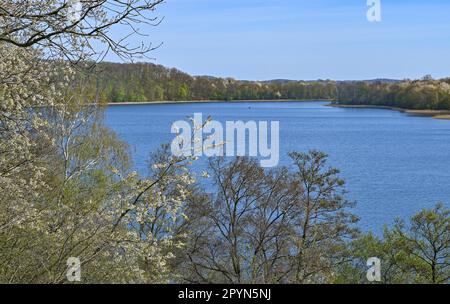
(394, 164)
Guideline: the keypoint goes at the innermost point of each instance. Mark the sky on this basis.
(303, 39)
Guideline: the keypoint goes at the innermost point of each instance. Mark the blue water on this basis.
(394, 164)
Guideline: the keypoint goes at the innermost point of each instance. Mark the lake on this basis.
(394, 164)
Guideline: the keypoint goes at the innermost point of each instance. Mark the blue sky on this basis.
(303, 39)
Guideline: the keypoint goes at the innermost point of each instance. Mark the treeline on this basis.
(141, 82)
(149, 82)
(425, 94)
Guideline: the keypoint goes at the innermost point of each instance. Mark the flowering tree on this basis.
(66, 187)
(77, 29)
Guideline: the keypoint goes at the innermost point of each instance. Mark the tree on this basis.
(268, 226)
(323, 223)
(92, 207)
(67, 190)
(238, 236)
(417, 252)
(75, 29)
(424, 94)
(425, 244)
(183, 92)
(158, 93)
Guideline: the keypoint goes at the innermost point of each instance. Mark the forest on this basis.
(424, 94)
(68, 189)
(140, 82)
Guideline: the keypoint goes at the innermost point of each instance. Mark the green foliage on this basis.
(149, 82)
(425, 94)
(417, 252)
(183, 92)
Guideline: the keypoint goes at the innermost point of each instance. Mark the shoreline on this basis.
(436, 114)
(209, 101)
